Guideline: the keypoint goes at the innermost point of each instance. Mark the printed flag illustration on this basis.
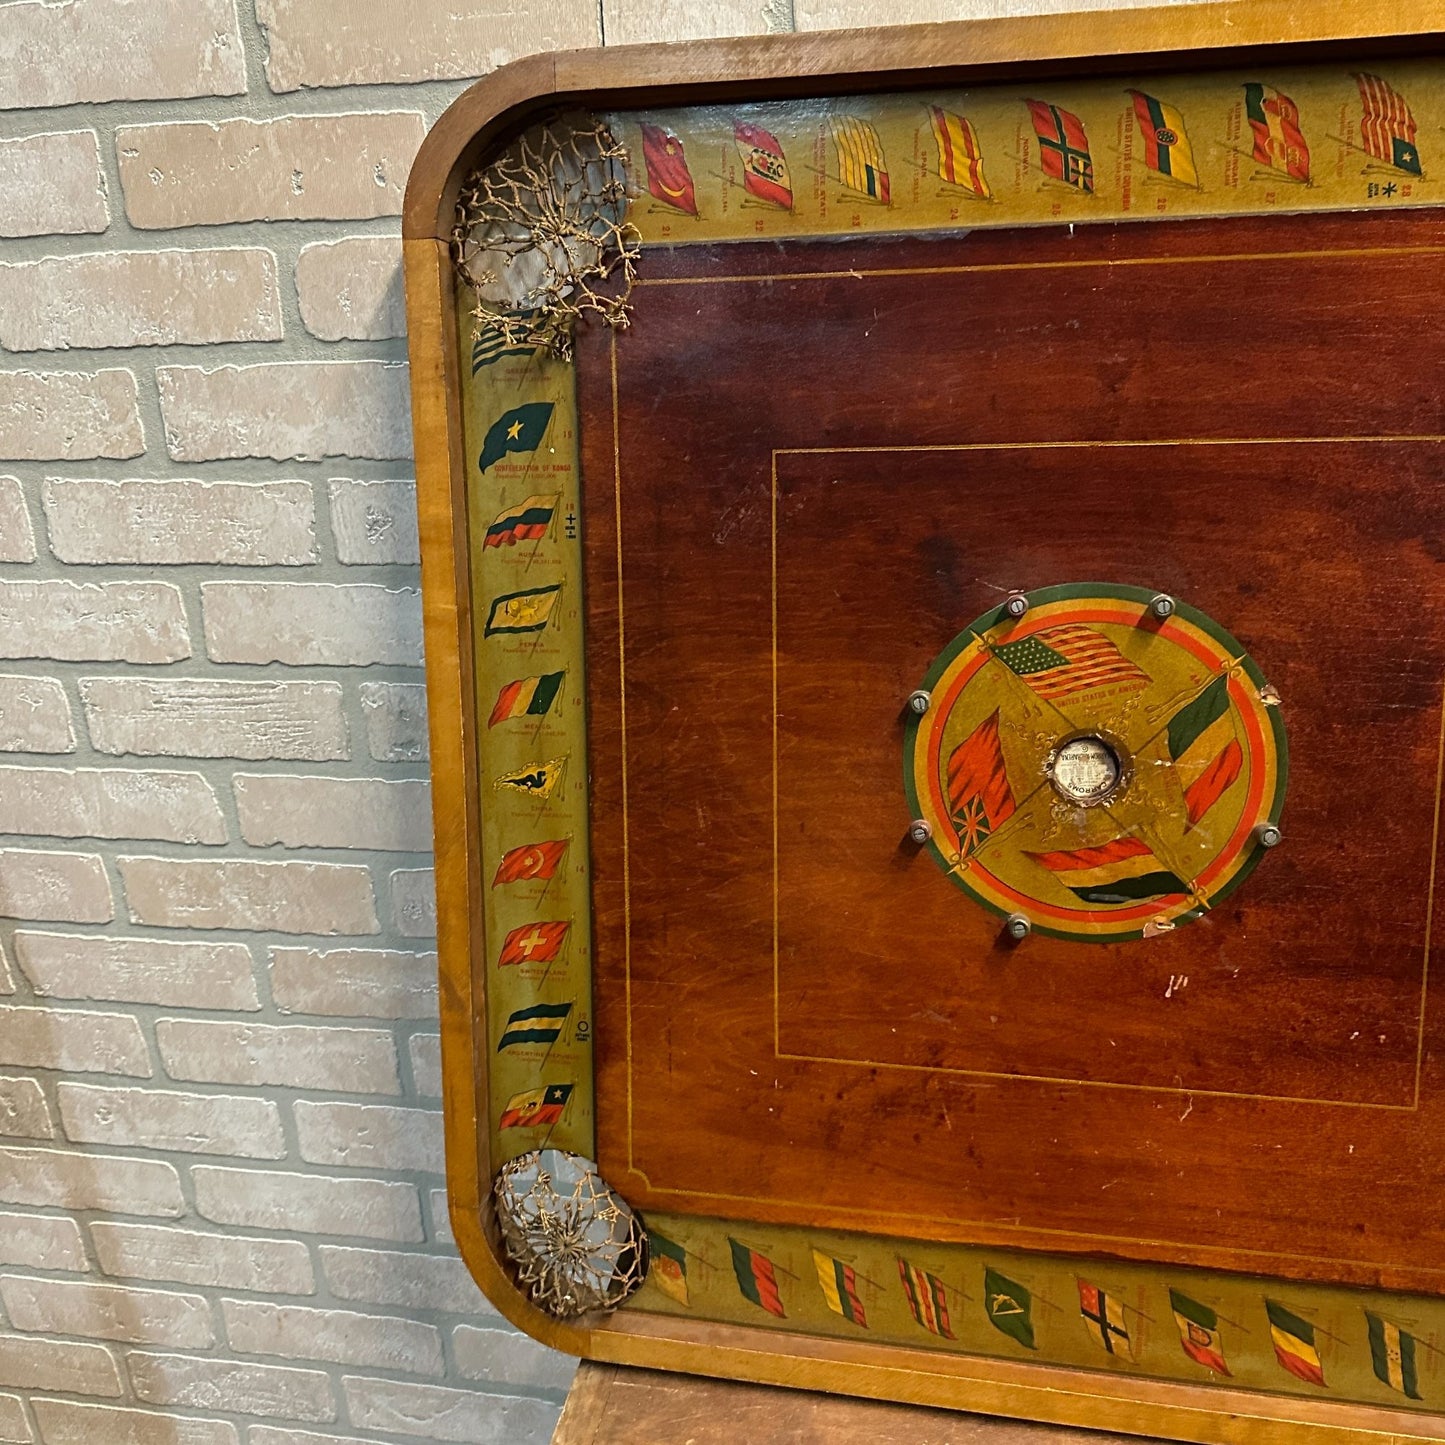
(1124, 871)
(960, 161)
(1387, 126)
(1105, 1317)
(668, 1268)
(533, 943)
(540, 1024)
(521, 611)
(538, 779)
(756, 1278)
(1063, 145)
(979, 797)
(840, 1288)
(765, 168)
(1294, 1343)
(1392, 1353)
(1278, 141)
(1198, 1332)
(1207, 756)
(526, 697)
(1166, 147)
(529, 861)
(861, 164)
(528, 521)
(668, 177)
(1058, 662)
(536, 1107)
(518, 430)
(490, 345)
(1009, 1306)
(927, 1298)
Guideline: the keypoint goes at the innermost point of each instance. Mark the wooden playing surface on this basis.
(805, 467)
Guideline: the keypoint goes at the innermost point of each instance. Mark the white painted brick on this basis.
(370, 1136)
(292, 168)
(41, 1241)
(246, 1128)
(404, 1281)
(14, 1427)
(74, 1040)
(34, 716)
(311, 623)
(286, 410)
(139, 298)
(396, 721)
(350, 290)
(24, 1114)
(151, 1251)
(137, 970)
(60, 1179)
(61, 887)
(261, 1327)
(93, 621)
(414, 902)
(306, 812)
(309, 1204)
(240, 524)
(88, 50)
(441, 1227)
(52, 185)
(845, 14)
(353, 982)
(334, 43)
(434, 1412)
(426, 1064)
(285, 1435)
(69, 416)
(507, 1357)
(242, 1389)
(374, 522)
(106, 1311)
(17, 536)
(71, 1367)
(62, 1422)
(7, 979)
(110, 803)
(200, 718)
(632, 22)
(298, 1056)
(326, 898)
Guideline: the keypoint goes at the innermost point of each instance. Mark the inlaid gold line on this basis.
(1430, 907)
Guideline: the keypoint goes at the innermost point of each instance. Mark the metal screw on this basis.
(1016, 605)
(1017, 926)
(1161, 605)
(1267, 835)
(919, 702)
(919, 831)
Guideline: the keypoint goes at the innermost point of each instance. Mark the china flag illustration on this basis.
(668, 177)
(533, 943)
(531, 860)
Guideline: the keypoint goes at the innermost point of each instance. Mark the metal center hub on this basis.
(1085, 770)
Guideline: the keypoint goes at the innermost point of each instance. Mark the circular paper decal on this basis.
(1094, 767)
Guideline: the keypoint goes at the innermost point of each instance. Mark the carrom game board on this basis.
(936, 641)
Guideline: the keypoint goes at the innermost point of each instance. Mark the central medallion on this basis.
(1099, 760)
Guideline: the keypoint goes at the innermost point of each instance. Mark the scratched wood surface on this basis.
(896, 1067)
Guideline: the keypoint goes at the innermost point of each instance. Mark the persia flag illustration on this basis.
(1388, 127)
(1124, 871)
(1063, 145)
(668, 177)
(756, 1278)
(979, 796)
(1207, 756)
(1198, 1332)
(960, 161)
(765, 168)
(1278, 140)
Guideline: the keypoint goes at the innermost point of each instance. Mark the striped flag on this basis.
(491, 345)
(540, 1024)
(1206, 753)
(1166, 147)
(756, 1278)
(1278, 140)
(1061, 661)
(526, 697)
(1198, 1332)
(1387, 126)
(536, 1107)
(860, 157)
(1124, 871)
(668, 1266)
(528, 521)
(840, 1288)
(1392, 1353)
(979, 796)
(1294, 1343)
(926, 1298)
(960, 161)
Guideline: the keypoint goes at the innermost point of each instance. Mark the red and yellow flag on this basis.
(960, 161)
(979, 796)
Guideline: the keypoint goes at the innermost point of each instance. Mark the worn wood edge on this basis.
(586, 1403)
(898, 57)
(456, 806)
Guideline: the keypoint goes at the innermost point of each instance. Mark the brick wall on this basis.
(221, 1206)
